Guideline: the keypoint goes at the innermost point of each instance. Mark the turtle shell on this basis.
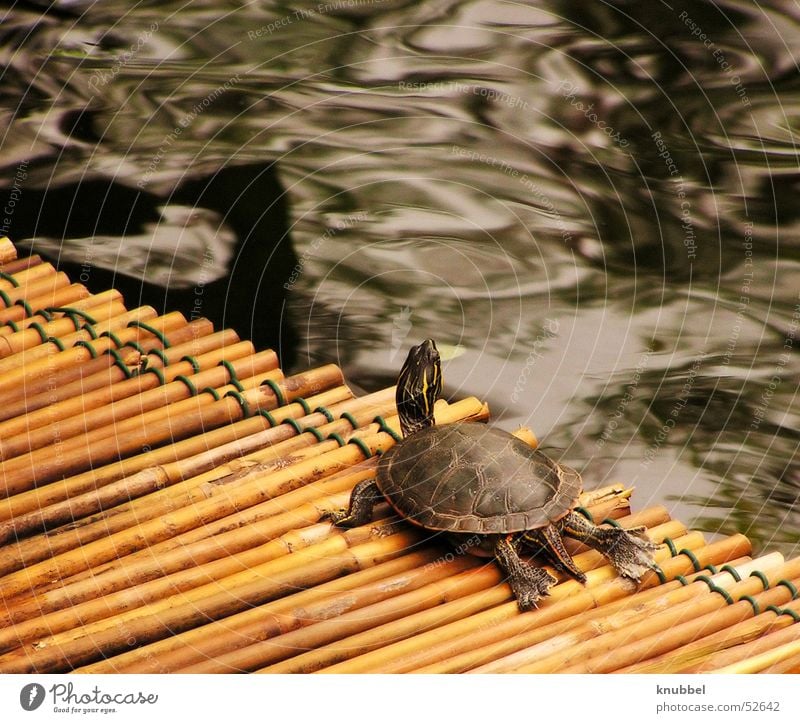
(467, 477)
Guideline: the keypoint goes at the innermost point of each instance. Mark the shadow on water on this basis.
(591, 205)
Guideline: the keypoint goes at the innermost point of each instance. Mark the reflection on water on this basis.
(598, 201)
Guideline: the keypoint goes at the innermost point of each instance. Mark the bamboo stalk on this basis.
(27, 339)
(109, 393)
(783, 630)
(8, 251)
(499, 624)
(141, 567)
(708, 650)
(39, 287)
(185, 450)
(24, 278)
(170, 654)
(132, 400)
(766, 659)
(25, 262)
(63, 296)
(788, 664)
(260, 584)
(37, 375)
(634, 637)
(483, 593)
(377, 650)
(23, 555)
(179, 421)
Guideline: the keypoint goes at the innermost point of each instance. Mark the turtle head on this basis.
(418, 387)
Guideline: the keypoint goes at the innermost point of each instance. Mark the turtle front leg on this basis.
(529, 584)
(629, 551)
(362, 499)
(547, 541)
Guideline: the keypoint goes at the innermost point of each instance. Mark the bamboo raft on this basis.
(162, 485)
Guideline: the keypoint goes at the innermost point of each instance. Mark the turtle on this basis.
(483, 486)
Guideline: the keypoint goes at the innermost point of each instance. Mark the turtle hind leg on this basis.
(547, 541)
(362, 499)
(529, 584)
(629, 551)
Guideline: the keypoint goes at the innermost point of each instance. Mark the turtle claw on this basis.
(629, 551)
(530, 585)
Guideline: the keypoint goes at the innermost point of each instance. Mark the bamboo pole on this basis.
(189, 450)
(628, 639)
(39, 287)
(711, 650)
(783, 630)
(219, 599)
(490, 593)
(63, 296)
(788, 664)
(70, 381)
(8, 251)
(37, 375)
(28, 338)
(141, 568)
(132, 400)
(282, 482)
(123, 388)
(505, 631)
(24, 278)
(377, 650)
(551, 609)
(181, 420)
(339, 594)
(25, 262)
(766, 659)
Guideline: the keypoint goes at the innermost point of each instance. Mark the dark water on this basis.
(592, 205)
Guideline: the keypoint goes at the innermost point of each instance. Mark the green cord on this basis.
(362, 445)
(325, 412)
(761, 576)
(695, 562)
(276, 390)
(89, 346)
(188, 383)
(195, 364)
(118, 361)
(242, 403)
(384, 427)
(155, 332)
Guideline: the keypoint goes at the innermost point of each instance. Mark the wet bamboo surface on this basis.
(160, 500)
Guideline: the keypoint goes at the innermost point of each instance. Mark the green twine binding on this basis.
(213, 392)
(242, 403)
(11, 280)
(338, 438)
(613, 523)
(753, 603)
(662, 578)
(13, 324)
(40, 329)
(695, 562)
(732, 571)
(789, 586)
(276, 390)
(362, 445)
(118, 361)
(293, 423)
(232, 378)
(156, 352)
(55, 340)
(188, 383)
(152, 330)
(313, 430)
(384, 427)
(159, 374)
(304, 404)
(89, 346)
(111, 335)
(325, 412)
(89, 329)
(682, 580)
(784, 611)
(761, 576)
(266, 414)
(349, 418)
(6, 300)
(29, 311)
(583, 511)
(195, 364)
(671, 545)
(715, 588)
(711, 568)
(72, 313)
